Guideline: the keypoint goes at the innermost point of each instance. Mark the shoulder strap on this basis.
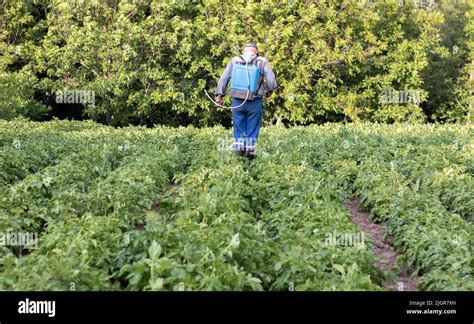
(261, 72)
(257, 61)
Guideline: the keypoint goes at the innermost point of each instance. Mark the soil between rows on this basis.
(387, 256)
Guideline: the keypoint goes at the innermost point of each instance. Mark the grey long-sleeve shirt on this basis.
(267, 71)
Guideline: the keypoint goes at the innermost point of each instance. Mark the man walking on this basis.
(248, 113)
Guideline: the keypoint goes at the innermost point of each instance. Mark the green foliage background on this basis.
(150, 61)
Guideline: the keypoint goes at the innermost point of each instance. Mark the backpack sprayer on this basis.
(243, 82)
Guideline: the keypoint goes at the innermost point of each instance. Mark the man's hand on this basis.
(219, 100)
(268, 93)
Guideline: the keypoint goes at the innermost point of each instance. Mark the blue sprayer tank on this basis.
(238, 79)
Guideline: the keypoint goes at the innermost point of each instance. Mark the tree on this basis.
(150, 61)
(18, 84)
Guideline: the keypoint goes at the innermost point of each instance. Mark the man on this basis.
(247, 116)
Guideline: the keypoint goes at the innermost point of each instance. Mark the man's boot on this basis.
(250, 152)
(239, 148)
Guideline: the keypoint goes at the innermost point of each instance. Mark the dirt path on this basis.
(382, 249)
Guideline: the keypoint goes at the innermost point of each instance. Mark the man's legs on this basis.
(239, 117)
(254, 121)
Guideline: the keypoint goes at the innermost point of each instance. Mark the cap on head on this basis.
(251, 44)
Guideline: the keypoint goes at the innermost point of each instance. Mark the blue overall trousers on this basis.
(247, 122)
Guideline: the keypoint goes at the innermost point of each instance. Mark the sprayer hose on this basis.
(246, 97)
